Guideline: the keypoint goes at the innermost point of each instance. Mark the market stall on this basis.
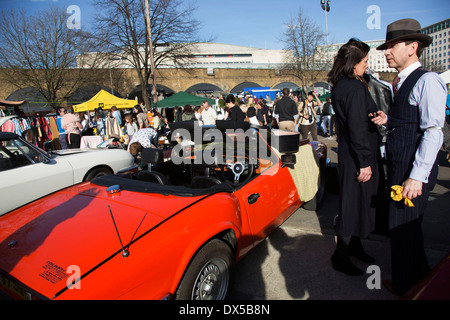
(104, 100)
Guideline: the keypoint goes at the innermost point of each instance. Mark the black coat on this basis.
(358, 147)
(236, 114)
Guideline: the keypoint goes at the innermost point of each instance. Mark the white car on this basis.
(28, 173)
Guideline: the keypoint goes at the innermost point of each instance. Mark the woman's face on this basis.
(361, 67)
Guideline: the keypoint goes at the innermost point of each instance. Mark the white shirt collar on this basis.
(407, 71)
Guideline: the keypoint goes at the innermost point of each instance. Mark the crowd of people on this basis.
(413, 129)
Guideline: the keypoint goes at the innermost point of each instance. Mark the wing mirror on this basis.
(288, 159)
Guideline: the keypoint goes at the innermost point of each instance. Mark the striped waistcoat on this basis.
(402, 141)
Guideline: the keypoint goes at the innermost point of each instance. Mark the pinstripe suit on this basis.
(409, 261)
(401, 146)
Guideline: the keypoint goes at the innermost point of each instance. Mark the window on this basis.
(15, 154)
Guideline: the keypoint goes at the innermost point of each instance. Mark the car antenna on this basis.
(125, 253)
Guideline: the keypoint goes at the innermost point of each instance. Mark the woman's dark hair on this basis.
(188, 109)
(138, 109)
(230, 99)
(251, 112)
(349, 55)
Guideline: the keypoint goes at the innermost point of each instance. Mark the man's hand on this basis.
(379, 118)
(412, 188)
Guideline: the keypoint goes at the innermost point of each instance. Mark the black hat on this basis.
(405, 29)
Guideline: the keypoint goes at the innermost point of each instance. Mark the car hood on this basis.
(74, 227)
(66, 152)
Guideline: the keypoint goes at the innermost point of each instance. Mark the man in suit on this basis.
(413, 141)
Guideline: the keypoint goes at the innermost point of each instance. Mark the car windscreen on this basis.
(15, 153)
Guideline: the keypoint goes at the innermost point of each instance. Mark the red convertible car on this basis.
(170, 231)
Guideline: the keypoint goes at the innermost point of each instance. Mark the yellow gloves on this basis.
(396, 195)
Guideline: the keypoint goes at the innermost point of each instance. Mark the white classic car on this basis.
(28, 172)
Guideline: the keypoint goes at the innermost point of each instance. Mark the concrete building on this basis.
(377, 61)
(437, 56)
(205, 55)
(217, 55)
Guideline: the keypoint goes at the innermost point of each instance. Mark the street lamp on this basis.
(326, 7)
(152, 59)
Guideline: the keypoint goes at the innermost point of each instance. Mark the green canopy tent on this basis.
(181, 99)
(324, 97)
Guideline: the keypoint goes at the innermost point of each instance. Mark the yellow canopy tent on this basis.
(105, 100)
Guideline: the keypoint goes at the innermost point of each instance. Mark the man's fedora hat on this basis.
(403, 30)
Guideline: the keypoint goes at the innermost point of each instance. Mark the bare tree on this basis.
(42, 51)
(122, 24)
(301, 39)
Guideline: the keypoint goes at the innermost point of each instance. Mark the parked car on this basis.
(28, 172)
(171, 231)
(435, 285)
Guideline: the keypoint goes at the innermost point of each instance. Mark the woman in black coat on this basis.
(357, 155)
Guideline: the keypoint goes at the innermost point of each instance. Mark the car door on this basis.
(31, 174)
(269, 200)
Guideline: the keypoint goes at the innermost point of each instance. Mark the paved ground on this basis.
(294, 262)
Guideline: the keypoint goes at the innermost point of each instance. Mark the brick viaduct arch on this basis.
(124, 81)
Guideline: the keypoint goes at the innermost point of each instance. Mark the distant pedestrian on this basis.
(262, 113)
(326, 117)
(209, 115)
(286, 109)
(72, 125)
(130, 126)
(141, 117)
(234, 112)
(188, 113)
(307, 115)
(116, 114)
(62, 133)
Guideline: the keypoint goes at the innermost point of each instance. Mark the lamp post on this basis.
(326, 7)
(152, 59)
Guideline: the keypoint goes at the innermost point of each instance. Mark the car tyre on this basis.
(208, 276)
(99, 172)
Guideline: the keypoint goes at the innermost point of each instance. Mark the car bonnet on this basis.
(78, 226)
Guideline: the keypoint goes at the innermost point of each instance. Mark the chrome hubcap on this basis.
(212, 281)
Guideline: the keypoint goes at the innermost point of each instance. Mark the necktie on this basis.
(394, 85)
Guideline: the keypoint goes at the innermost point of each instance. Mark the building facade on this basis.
(437, 56)
(203, 55)
(377, 61)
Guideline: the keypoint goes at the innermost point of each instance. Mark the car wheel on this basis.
(97, 173)
(208, 276)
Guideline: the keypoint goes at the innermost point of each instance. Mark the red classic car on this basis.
(170, 231)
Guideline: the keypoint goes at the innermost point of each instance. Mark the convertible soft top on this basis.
(8, 135)
(128, 184)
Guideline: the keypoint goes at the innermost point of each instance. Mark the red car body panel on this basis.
(435, 286)
(74, 227)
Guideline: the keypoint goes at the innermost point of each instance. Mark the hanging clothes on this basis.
(112, 128)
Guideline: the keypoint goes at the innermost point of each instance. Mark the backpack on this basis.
(326, 109)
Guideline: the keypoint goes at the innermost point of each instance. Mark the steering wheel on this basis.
(237, 169)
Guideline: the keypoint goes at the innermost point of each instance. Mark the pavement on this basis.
(293, 263)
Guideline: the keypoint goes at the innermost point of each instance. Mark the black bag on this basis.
(326, 109)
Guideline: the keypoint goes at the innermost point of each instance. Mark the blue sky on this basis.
(260, 23)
